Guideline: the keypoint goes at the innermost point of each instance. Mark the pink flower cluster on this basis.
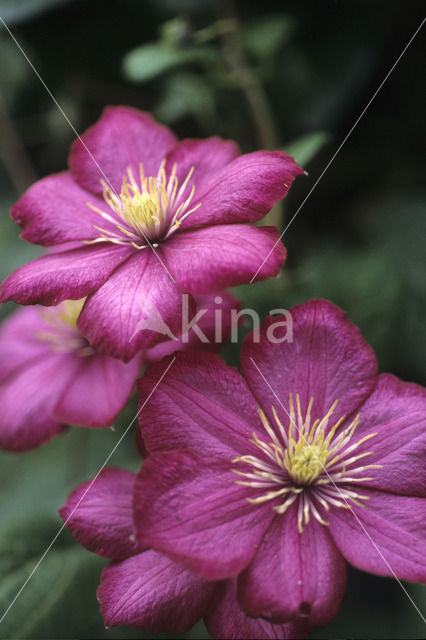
(257, 487)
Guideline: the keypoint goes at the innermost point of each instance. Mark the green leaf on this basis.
(186, 94)
(66, 578)
(151, 60)
(267, 35)
(303, 149)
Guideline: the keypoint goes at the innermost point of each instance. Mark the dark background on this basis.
(278, 74)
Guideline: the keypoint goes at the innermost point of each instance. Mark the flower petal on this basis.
(152, 592)
(215, 324)
(294, 576)
(245, 189)
(190, 508)
(66, 275)
(135, 307)
(123, 137)
(27, 398)
(98, 391)
(54, 210)
(201, 404)
(206, 157)
(225, 619)
(19, 342)
(324, 356)
(396, 412)
(386, 538)
(99, 514)
(212, 258)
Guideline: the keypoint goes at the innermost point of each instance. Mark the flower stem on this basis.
(248, 82)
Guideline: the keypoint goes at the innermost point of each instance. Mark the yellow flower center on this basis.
(147, 209)
(306, 462)
(61, 328)
(69, 310)
(309, 463)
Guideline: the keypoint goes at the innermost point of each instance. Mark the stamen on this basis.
(61, 328)
(306, 462)
(150, 208)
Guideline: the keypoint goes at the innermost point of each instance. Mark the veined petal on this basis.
(215, 324)
(322, 355)
(212, 258)
(152, 592)
(66, 275)
(245, 189)
(201, 403)
(190, 508)
(225, 619)
(99, 514)
(19, 342)
(294, 576)
(387, 538)
(123, 137)
(396, 412)
(54, 210)
(27, 398)
(98, 391)
(137, 306)
(206, 157)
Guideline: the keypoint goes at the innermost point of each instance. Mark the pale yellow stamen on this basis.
(308, 462)
(69, 311)
(151, 208)
(61, 328)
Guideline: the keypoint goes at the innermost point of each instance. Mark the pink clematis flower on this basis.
(51, 377)
(144, 588)
(154, 217)
(279, 476)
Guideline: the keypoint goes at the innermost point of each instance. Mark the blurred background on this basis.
(277, 74)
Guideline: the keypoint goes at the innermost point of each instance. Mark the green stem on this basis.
(248, 82)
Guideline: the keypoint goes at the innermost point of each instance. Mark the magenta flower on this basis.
(51, 377)
(144, 588)
(154, 217)
(279, 477)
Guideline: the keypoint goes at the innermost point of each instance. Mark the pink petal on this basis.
(27, 399)
(325, 356)
(139, 294)
(19, 342)
(123, 137)
(99, 514)
(225, 619)
(387, 537)
(201, 404)
(207, 158)
(152, 592)
(212, 258)
(190, 508)
(396, 412)
(98, 391)
(54, 210)
(294, 576)
(68, 275)
(245, 189)
(140, 444)
(215, 325)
